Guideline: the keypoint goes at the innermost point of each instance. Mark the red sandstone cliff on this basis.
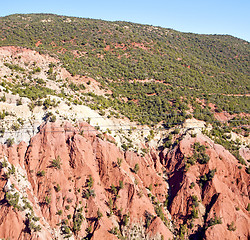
(225, 196)
(60, 193)
(80, 185)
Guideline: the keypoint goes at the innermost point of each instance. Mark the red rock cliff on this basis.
(73, 183)
(81, 185)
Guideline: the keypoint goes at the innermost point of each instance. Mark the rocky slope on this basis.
(75, 184)
(92, 175)
(23, 110)
(203, 195)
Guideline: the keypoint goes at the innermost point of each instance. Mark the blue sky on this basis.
(198, 16)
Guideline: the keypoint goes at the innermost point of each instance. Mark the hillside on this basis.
(124, 57)
(116, 130)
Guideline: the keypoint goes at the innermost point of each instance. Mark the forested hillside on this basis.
(178, 68)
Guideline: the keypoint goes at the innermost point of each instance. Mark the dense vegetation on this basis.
(136, 51)
(179, 68)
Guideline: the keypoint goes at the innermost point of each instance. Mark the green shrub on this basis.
(159, 213)
(248, 207)
(165, 203)
(20, 121)
(19, 102)
(193, 135)
(111, 205)
(15, 126)
(113, 190)
(124, 147)
(90, 181)
(65, 229)
(150, 187)
(36, 70)
(192, 185)
(57, 188)
(176, 131)
(12, 199)
(148, 219)
(136, 168)
(59, 212)
(214, 221)
(74, 87)
(2, 131)
(3, 99)
(14, 67)
(99, 214)
(67, 207)
(119, 161)
(87, 193)
(12, 169)
(199, 154)
(30, 223)
(41, 173)
(3, 164)
(47, 200)
(125, 219)
(53, 118)
(89, 229)
(10, 142)
(77, 221)
(194, 213)
(121, 185)
(231, 227)
(3, 114)
(56, 163)
(207, 177)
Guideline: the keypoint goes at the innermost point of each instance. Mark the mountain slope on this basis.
(180, 75)
(115, 130)
(136, 44)
(180, 66)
